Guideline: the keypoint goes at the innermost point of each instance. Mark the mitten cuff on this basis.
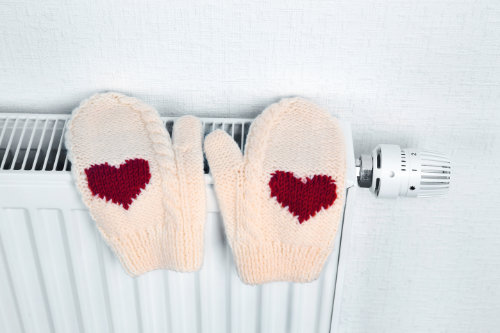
(178, 248)
(274, 261)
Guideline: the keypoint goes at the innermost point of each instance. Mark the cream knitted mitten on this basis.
(281, 202)
(146, 194)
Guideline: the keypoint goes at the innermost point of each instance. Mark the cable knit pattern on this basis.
(281, 202)
(159, 224)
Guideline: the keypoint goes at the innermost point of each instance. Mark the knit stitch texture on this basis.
(145, 192)
(120, 185)
(283, 199)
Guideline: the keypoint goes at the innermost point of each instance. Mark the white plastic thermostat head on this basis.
(405, 172)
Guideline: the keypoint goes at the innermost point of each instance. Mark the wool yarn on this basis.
(282, 200)
(145, 191)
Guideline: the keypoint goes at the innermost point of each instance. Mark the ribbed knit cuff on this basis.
(161, 247)
(275, 261)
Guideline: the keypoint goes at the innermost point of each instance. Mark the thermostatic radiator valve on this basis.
(391, 171)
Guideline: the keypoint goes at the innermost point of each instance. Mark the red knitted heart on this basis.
(120, 185)
(304, 198)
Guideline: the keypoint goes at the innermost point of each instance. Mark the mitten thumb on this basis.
(186, 137)
(225, 160)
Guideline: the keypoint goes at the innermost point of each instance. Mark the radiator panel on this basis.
(58, 275)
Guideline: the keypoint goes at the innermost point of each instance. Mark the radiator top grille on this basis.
(35, 142)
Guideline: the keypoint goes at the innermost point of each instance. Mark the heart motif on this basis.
(304, 198)
(120, 185)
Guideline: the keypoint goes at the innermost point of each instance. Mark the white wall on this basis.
(418, 73)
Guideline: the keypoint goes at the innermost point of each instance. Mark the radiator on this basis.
(57, 274)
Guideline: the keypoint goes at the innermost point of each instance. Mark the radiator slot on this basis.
(36, 143)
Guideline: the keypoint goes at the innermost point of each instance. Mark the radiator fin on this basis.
(36, 142)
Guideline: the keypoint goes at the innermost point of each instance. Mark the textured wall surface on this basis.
(418, 73)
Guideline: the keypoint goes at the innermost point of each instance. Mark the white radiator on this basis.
(57, 274)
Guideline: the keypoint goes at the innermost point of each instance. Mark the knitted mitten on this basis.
(281, 202)
(146, 194)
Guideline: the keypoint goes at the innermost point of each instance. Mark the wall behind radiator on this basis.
(418, 73)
